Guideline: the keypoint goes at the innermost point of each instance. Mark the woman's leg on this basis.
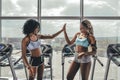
(31, 77)
(40, 72)
(85, 70)
(73, 70)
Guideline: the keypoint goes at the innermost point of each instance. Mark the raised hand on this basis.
(64, 27)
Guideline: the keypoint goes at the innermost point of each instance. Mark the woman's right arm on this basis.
(24, 43)
(67, 39)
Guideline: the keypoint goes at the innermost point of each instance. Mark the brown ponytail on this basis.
(86, 23)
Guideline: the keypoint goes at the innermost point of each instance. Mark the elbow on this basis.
(23, 57)
(94, 52)
(51, 37)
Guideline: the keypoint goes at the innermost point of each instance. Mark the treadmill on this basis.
(113, 53)
(5, 53)
(67, 51)
(47, 51)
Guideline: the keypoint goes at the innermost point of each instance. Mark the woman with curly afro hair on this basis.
(30, 42)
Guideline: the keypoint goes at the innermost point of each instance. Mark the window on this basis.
(101, 8)
(52, 26)
(12, 28)
(19, 7)
(61, 8)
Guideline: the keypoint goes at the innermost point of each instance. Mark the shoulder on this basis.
(25, 40)
(92, 38)
(77, 34)
(39, 36)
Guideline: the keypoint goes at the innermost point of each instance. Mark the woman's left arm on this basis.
(50, 36)
(93, 45)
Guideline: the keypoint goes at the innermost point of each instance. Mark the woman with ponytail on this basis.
(82, 58)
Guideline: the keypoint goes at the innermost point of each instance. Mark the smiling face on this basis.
(83, 29)
(33, 37)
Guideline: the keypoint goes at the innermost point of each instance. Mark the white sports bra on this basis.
(34, 45)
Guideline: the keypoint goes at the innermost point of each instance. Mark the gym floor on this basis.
(57, 69)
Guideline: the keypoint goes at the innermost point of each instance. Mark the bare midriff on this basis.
(80, 49)
(36, 52)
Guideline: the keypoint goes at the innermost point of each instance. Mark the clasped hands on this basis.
(64, 27)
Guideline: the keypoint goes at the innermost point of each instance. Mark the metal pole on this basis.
(25, 71)
(0, 26)
(12, 68)
(62, 65)
(39, 13)
(38, 10)
(81, 9)
(0, 20)
(93, 69)
(107, 68)
(63, 59)
(51, 66)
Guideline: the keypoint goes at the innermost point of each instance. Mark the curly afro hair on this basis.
(29, 26)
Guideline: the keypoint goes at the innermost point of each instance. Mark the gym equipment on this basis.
(113, 53)
(47, 53)
(28, 55)
(68, 51)
(6, 50)
(5, 53)
(94, 63)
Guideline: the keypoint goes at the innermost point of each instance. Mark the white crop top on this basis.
(34, 45)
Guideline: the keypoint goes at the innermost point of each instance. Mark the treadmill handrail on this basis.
(5, 53)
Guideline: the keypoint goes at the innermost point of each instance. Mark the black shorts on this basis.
(36, 61)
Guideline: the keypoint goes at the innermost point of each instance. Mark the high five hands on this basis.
(64, 27)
